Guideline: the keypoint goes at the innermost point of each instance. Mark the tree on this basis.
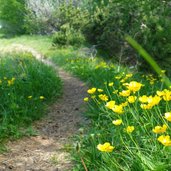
(12, 13)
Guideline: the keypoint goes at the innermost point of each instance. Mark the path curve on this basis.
(46, 151)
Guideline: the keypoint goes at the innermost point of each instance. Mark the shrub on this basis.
(68, 36)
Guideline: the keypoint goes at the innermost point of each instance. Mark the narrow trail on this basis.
(46, 152)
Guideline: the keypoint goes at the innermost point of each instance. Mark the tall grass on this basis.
(26, 87)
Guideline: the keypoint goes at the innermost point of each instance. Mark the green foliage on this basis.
(23, 80)
(147, 22)
(68, 36)
(12, 14)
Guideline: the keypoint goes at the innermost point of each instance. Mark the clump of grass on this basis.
(26, 87)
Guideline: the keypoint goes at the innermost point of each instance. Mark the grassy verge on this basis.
(130, 117)
(26, 87)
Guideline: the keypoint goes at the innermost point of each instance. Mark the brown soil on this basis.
(47, 151)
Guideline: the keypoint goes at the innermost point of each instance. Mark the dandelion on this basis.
(130, 129)
(117, 122)
(103, 97)
(86, 99)
(106, 147)
(160, 129)
(165, 140)
(168, 116)
(41, 97)
(91, 91)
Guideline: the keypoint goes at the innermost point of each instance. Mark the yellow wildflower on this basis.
(110, 104)
(110, 84)
(91, 91)
(103, 97)
(86, 99)
(160, 129)
(133, 86)
(146, 106)
(132, 99)
(106, 147)
(128, 75)
(125, 93)
(118, 77)
(124, 104)
(118, 109)
(165, 140)
(29, 97)
(99, 90)
(130, 129)
(117, 122)
(168, 116)
(143, 99)
(42, 97)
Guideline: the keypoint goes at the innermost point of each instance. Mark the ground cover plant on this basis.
(26, 87)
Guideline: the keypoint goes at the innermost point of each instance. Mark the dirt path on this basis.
(46, 152)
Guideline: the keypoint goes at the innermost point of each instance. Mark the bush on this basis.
(148, 22)
(26, 85)
(68, 36)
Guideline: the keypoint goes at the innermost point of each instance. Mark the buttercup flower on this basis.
(86, 99)
(165, 140)
(168, 116)
(91, 91)
(133, 86)
(125, 93)
(132, 99)
(42, 97)
(103, 97)
(130, 129)
(106, 147)
(118, 109)
(117, 122)
(110, 84)
(110, 104)
(160, 129)
(99, 90)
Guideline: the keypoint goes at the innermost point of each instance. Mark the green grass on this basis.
(23, 80)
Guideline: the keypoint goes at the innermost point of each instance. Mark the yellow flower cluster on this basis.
(133, 86)
(115, 108)
(106, 147)
(103, 97)
(165, 94)
(165, 140)
(149, 101)
(160, 129)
